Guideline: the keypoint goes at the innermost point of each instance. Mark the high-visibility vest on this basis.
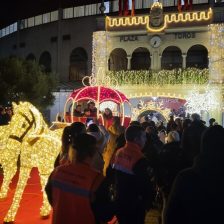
(72, 187)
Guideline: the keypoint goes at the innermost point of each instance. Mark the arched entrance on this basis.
(171, 58)
(45, 61)
(141, 59)
(117, 60)
(78, 64)
(197, 56)
(152, 115)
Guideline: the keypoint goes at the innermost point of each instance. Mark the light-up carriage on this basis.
(103, 97)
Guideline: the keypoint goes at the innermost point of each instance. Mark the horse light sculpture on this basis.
(28, 136)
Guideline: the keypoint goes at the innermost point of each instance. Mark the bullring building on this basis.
(159, 53)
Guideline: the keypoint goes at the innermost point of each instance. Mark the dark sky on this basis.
(12, 10)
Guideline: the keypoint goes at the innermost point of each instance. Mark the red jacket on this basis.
(69, 189)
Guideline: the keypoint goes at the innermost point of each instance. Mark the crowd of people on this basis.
(115, 175)
(5, 115)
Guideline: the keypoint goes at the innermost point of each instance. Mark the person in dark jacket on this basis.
(197, 193)
(133, 186)
(191, 139)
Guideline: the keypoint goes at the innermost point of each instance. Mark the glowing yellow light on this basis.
(168, 19)
(27, 135)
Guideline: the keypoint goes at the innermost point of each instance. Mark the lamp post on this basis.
(102, 7)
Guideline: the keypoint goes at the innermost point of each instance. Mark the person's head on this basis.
(93, 128)
(212, 141)
(195, 117)
(86, 112)
(135, 123)
(91, 105)
(77, 128)
(211, 121)
(108, 112)
(135, 134)
(79, 108)
(145, 124)
(84, 146)
(173, 136)
(66, 139)
(171, 118)
(186, 123)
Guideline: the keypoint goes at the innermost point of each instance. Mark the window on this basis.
(3, 32)
(138, 4)
(79, 11)
(46, 17)
(31, 22)
(54, 16)
(11, 28)
(7, 30)
(15, 26)
(0, 33)
(38, 20)
(147, 4)
(107, 5)
(115, 6)
(200, 1)
(68, 13)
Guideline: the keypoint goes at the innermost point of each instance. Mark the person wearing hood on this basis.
(97, 161)
(197, 193)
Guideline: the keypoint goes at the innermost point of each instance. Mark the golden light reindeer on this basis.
(29, 136)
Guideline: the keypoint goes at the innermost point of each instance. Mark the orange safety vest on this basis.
(126, 157)
(72, 187)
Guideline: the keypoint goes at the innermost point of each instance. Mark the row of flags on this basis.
(124, 6)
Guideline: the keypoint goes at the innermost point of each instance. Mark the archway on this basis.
(31, 57)
(171, 58)
(153, 115)
(197, 56)
(78, 64)
(45, 61)
(117, 60)
(141, 59)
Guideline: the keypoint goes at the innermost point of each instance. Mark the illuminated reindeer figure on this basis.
(28, 136)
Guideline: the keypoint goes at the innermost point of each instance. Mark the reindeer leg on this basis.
(23, 177)
(9, 172)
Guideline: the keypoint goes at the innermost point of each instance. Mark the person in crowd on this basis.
(152, 147)
(186, 123)
(191, 139)
(211, 122)
(68, 137)
(86, 112)
(92, 108)
(133, 186)
(114, 130)
(78, 111)
(170, 124)
(162, 136)
(66, 141)
(70, 188)
(197, 193)
(135, 123)
(179, 127)
(97, 161)
(169, 163)
(108, 118)
(161, 126)
(4, 118)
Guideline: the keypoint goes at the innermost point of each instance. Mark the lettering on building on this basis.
(185, 35)
(128, 38)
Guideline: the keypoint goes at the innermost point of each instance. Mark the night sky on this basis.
(12, 10)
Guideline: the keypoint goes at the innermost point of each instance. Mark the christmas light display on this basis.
(28, 136)
(153, 78)
(216, 56)
(207, 100)
(170, 18)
